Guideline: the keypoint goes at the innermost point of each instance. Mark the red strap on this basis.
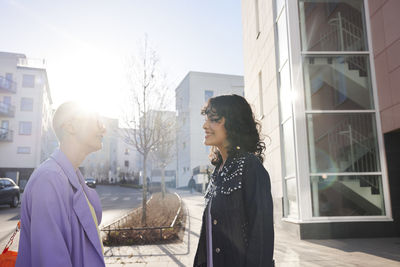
(9, 243)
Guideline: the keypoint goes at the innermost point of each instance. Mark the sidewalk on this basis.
(289, 251)
(180, 254)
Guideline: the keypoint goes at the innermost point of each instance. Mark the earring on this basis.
(238, 147)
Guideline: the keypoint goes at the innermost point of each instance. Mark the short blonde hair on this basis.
(64, 113)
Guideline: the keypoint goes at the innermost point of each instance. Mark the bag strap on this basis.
(9, 243)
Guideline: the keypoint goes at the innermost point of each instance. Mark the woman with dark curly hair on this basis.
(237, 227)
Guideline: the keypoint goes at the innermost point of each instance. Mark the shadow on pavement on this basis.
(388, 248)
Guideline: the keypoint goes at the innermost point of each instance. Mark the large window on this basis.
(25, 128)
(353, 195)
(338, 82)
(343, 142)
(333, 25)
(26, 104)
(23, 150)
(208, 94)
(28, 81)
(289, 182)
(344, 164)
(9, 77)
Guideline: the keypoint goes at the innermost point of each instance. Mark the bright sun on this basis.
(91, 77)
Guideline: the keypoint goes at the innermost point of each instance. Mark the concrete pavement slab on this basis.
(289, 251)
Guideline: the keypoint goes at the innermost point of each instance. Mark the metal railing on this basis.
(7, 109)
(7, 85)
(351, 136)
(343, 35)
(108, 228)
(6, 135)
(31, 63)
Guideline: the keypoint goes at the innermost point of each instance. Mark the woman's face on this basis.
(214, 132)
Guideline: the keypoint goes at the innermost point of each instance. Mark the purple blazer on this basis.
(57, 227)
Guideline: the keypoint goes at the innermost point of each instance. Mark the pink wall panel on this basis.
(385, 27)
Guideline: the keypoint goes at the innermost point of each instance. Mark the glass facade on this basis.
(343, 142)
(353, 195)
(333, 25)
(337, 82)
(343, 148)
(291, 196)
(290, 208)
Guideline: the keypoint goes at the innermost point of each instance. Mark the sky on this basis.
(87, 43)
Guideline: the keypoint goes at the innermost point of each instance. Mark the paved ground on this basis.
(289, 252)
(181, 254)
(116, 201)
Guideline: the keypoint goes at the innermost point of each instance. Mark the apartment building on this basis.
(26, 136)
(191, 95)
(102, 164)
(323, 78)
(128, 159)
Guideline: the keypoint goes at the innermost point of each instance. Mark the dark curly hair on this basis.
(243, 131)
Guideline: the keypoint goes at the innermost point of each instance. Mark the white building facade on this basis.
(26, 135)
(191, 96)
(102, 164)
(310, 74)
(128, 159)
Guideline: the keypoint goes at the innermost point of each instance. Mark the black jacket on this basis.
(241, 215)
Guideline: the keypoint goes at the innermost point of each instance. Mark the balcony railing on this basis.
(6, 135)
(7, 86)
(31, 63)
(7, 110)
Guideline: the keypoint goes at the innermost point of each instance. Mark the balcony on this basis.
(31, 63)
(6, 135)
(7, 110)
(7, 86)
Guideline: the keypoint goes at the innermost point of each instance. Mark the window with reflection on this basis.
(339, 82)
(332, 25)
(343, 143)
(358, 195)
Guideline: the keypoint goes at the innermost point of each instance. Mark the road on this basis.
(116, 201)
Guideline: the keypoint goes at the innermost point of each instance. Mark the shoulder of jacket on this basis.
(47, 172)
(251, 159)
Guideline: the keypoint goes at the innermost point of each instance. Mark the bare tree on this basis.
(164, 152)
(148, 91)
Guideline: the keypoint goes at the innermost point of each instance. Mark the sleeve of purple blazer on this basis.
(50, 227)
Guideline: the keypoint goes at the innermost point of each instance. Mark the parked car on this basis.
(9, 192)
(91, 182)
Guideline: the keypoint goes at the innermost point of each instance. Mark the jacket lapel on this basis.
(80, 205)
(84, 215)
(91, 194)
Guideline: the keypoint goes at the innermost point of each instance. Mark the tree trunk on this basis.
(163, 182)
(144, 198)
